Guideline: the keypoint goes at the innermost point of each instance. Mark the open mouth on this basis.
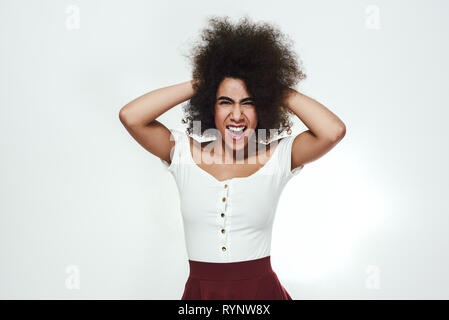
(236, 132)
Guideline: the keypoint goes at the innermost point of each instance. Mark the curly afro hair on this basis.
(258, 54)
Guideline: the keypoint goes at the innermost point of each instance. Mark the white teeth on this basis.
(236, 129)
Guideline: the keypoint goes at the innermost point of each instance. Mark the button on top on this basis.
(225, 186)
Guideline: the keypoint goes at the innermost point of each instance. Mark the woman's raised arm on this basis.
(325, 128)
(139, 117)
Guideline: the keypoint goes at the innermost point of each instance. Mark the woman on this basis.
(229, 186)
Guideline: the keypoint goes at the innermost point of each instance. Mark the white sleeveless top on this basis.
(230, 220)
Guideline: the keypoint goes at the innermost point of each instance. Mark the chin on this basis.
(238, 143)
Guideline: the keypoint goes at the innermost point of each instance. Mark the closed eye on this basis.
(227, 102)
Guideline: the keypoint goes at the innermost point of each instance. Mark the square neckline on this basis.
(210, 176)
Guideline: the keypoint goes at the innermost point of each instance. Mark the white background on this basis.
(82, 202)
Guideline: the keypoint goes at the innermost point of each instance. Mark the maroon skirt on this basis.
(244, 280)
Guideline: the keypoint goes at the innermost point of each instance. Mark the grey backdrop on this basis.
(86, 213)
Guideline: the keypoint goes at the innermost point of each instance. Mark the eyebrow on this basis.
(229, 99)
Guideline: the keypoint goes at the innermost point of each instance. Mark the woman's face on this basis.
(234, 110)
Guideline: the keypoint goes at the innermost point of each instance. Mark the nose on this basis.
(236, 113)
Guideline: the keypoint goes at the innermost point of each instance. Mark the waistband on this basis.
(230, 270)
